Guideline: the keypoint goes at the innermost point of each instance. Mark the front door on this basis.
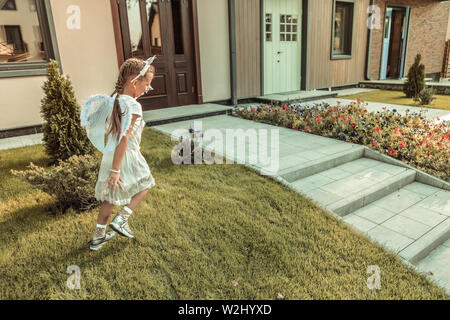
(394, 43)
(282, 45)
(162, 28)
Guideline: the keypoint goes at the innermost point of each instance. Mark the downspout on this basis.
(369, 47)
(232, 30)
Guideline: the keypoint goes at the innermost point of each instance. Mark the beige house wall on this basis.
(88, 56)
(448, 26)
(214, 49)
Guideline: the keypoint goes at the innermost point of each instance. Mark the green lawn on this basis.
(234, 235)
(398, 97)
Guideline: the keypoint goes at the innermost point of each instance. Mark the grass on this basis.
(398, 97)
(232, 225)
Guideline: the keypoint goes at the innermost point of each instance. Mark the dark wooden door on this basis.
(396, 43)
(162, 28)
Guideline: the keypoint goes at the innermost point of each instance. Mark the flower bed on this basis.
(412, 139)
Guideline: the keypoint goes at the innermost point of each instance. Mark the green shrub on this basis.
(425, 97)
(63, 134)
(71, 182)
(416, 78)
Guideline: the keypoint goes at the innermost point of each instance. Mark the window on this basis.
(8, 5)
(268, 27)
(27, 37)
(288, 27)
(342, 32)
(147, 40)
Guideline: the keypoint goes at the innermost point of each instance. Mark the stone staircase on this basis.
(386, 202)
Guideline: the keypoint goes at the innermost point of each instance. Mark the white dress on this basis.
(134, 170)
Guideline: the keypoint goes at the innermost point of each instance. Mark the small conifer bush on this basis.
(416, 78)
(63, 134)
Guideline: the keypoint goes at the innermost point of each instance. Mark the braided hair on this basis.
(129, 70)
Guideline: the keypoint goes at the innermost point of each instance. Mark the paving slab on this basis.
(392, 240)
(374, 214)
(22, 141)
(400, 200)
(359, 223)
(436, 266)
(423, 215)
(439, 202)
(183, 111)
(407, 227)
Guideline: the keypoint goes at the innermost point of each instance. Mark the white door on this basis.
(282, 45)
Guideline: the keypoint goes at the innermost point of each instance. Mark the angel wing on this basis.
(96, 118)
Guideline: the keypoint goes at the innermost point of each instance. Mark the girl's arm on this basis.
(119, 153)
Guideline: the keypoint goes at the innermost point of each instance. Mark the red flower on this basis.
(307, 128)
(402, 144)
(353, 124)
(254, 110)
(296, 128)
(358, 100)
(392, 152)
(374, 144)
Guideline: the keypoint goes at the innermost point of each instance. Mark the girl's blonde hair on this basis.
(129, 70)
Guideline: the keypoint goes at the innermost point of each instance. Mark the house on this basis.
(218, 51)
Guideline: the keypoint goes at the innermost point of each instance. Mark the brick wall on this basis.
(427, 33)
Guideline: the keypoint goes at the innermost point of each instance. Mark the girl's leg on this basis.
(104, 213)
(100, 235)
(120, 222)
(137, 199)
(103, 216)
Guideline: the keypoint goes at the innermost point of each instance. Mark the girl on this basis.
(124, 176)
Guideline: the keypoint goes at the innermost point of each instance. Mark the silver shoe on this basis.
(121, 226)
(97, 244)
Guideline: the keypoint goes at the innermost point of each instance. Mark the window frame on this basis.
(334, 56)
(37, 68)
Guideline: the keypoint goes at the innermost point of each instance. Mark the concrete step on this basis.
(436, 265)
(421, 248)
(189, 112)
(298, 96)
(412, 221)
(334, 159)
(353, 185)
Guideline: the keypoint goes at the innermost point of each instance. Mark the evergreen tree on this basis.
(416, 78)
(63, 134)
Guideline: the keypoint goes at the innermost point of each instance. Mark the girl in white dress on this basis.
(124, 176)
